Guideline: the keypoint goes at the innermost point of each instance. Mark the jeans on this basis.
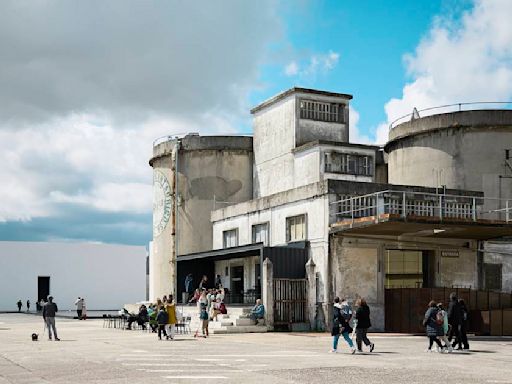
(50, 324)
(345, 336)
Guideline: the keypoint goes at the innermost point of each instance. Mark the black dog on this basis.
(34, 336)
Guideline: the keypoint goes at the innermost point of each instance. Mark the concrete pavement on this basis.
(89, 353)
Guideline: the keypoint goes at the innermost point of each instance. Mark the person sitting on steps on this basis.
(258, 311)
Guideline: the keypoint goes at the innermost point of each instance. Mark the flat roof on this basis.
(293, 90)
(317, 143)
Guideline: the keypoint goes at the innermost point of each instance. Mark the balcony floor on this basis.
(424, 226)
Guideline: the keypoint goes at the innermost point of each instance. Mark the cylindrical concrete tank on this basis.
(212, 172)
(461, 150)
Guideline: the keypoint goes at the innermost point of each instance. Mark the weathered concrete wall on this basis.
(459, 271)
(464, 150)
(307, 168)
(355, 273)
(274, 139)
(210, 170)
(500, 253)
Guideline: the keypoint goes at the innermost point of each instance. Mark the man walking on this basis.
(28, 305)
(49, 311)
(454, 319)
(79, 307)
(19, 304)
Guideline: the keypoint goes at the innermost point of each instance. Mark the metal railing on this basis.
(457, 107)
(420, 204)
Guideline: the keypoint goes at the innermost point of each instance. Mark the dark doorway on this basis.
(43, 287)
(237, 284)
(257, 277)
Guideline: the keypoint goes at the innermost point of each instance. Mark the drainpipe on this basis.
(174, 231)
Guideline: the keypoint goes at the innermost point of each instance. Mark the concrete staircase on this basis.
(237, 320)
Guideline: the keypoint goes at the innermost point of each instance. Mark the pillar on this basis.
(311, 292)
(267, 292)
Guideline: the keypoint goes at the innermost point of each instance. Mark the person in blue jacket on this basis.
(340, 326)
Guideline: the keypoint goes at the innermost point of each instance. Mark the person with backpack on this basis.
(363, 323)
(432, 327)
(442, 319)
(161, 319)
(464, 324)
(454, 319)
(341, 326)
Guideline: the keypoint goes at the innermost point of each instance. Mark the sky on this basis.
(86, 87)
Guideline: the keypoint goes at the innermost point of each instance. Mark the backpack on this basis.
(440, 317)
(346, 312)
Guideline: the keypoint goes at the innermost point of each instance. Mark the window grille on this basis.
(315, 110)
(349, 164)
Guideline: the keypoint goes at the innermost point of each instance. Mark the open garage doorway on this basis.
(409, 268)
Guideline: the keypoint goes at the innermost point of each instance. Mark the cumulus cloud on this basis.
(464, 60)
(320, 63)
(355, 135)
(85, 88)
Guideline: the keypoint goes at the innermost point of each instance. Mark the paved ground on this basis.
(89, 353)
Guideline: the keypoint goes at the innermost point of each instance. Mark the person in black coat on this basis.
(363, 323)
(340, 326)
(464, 324)
(433, 328)
(455, 320)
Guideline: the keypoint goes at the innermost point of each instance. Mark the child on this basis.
(204, 320)
(161, 319)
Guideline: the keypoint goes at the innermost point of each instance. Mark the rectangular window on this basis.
(296, 228)
(260, 234)
(230, 238)
(321, 111)
(404, 269)
(349, 164)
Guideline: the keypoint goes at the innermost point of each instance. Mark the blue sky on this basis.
(86, 87)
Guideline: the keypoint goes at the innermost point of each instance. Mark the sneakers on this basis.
(428, 350)
(353, 350)
(372, 347)
(333, 351)
(57, 339)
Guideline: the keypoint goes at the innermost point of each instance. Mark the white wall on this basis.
(108, 276)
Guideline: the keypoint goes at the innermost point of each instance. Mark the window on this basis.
(230, 238)
(296, 228)
(321, 111)
(260, 234)
(404, 269)
(493, 276)
(336, 162)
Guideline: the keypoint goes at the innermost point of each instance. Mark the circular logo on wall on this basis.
(162, 203)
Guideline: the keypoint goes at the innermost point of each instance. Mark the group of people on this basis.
(20, 305)
(81, 310)
(343, 317)
(444, 326)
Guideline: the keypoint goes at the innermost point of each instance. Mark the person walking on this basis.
(444, 316)
(49, 311)
(162, 320)
(454, 319)
(203, 317)
(170, 307)
(340, 326)
(19, 304)
(432, 327)
(464, 324)
(28, 305)
(79, 307)
(363, 323)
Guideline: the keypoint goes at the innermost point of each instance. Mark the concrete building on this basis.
(316, 194)
(193, 175)
(106, 275)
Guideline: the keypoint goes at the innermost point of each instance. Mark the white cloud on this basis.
(355, 135)
(83, 97)
(291, 69)
(465, 61)
(319, 63)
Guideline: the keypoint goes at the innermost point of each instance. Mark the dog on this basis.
(34, 336)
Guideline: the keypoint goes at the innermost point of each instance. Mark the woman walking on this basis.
(433, 328)
(363, 323)
(340, 326)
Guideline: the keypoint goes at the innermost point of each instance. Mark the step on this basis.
(243, 322)
(241, 329)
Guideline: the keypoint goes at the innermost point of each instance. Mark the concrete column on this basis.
(267, 288)
(311, 294)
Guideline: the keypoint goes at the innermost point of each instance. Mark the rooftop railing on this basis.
(428, 205)
(458, 107)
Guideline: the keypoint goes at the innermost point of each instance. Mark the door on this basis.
(237, 284)
(43, 287)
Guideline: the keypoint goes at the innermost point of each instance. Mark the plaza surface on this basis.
(89, 353)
